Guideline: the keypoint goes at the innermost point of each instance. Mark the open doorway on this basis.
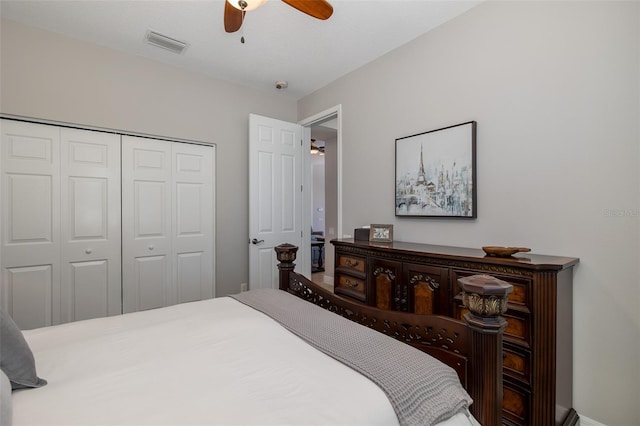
(324, 194)
(324, 138)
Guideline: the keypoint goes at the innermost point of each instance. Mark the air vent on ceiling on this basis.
(161, 40)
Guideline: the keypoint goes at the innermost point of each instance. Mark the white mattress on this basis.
(210, 362)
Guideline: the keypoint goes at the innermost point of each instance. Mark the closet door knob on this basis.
(88, 251)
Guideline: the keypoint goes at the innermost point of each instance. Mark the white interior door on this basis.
(146, 224)
(167, 223)
(192, 236)
(275, 195)
(90, 211)
(30, 194)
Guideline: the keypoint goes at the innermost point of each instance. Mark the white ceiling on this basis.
(281, 42)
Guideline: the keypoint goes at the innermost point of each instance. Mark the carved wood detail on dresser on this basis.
(422, 278)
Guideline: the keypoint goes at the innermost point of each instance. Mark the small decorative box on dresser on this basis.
(422, 278)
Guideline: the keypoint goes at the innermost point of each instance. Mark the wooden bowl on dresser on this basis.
(499, 251)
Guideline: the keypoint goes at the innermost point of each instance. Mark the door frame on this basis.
(307, 202)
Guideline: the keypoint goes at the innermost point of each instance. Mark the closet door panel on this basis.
(193, 221)
(150, 209)
(150, 285)
(91, 244)
(30, 216)
(190, 277)
(88, 208)
(28, 295)
(88, 288)
(146, 224)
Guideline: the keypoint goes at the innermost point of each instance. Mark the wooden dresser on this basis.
(422, 278)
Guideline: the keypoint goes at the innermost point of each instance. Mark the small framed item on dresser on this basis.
(381, 233)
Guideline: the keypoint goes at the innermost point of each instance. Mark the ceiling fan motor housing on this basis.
(234, 10)
(246, 5)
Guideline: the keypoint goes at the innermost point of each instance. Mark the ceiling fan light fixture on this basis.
(315, 149)
(246, 5)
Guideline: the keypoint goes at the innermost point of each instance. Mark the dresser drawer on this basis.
(516, 403)
(350, 286)
(521, 294)
(517, 362)
(518, 327)
(351, 263)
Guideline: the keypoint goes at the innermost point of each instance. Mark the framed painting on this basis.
(436, 173)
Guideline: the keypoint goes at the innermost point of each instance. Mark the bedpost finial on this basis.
(486, 298)
(286, 253)
(484, 295)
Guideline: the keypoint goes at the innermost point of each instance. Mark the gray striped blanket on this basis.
(421, 389)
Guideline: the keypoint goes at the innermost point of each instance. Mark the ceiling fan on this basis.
(234, 10)
(316, 149)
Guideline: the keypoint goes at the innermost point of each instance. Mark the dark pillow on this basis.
(16, 358)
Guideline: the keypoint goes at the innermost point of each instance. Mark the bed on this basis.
(266, 357)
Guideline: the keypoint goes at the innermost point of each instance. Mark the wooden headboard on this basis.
(472, 347)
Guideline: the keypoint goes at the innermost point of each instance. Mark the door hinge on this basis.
(301, 188)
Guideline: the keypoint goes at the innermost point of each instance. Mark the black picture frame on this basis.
(436, 173)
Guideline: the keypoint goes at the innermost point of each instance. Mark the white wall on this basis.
(49, 76)
(554, 87)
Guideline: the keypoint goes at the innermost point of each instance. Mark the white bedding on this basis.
(211, 362)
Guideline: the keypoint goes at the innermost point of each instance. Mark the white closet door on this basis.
(146, 224)
(30, 195)
(167, 223)
(192, 220)
(90, 206)
(66, 253)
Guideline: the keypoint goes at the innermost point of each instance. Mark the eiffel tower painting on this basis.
(435, 173)
(422, 176)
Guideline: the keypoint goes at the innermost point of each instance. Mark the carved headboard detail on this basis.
(429, 335)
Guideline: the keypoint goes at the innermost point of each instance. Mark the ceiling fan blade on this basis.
(232, 18)
(320, 9)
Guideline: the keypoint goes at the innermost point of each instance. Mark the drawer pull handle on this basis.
(351, 284)
(352, 263)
